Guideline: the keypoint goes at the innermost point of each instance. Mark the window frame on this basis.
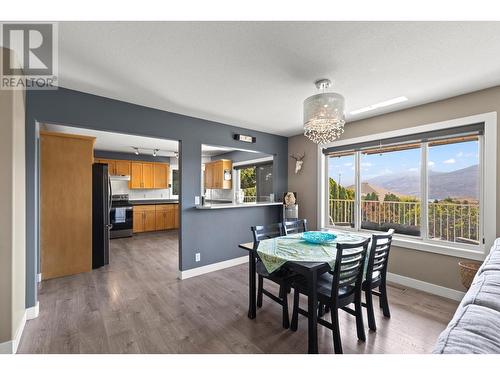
(487, 161)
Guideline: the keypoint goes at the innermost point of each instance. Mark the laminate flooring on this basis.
(136, 304)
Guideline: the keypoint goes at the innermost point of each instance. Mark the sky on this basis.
(446, 158)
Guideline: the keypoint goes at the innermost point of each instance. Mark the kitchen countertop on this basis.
(152, 201)
(237, 205)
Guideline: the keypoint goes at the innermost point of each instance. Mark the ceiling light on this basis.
(386, 103)
(155, 151)
(324, 117)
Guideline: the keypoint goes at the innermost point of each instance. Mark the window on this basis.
(425, 186)
(453, 188)
(341, 189)
(390, 189)
(256, 182)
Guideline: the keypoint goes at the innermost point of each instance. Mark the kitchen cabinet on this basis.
(161, 172)
(65, 204)
(215, 172)
(122, 168)
(144, 218)
(141, 175)
(152, 217)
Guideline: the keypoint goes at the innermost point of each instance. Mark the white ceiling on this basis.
(117, 142)
(257, 74)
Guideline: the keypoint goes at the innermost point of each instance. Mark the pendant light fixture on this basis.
(324, 116)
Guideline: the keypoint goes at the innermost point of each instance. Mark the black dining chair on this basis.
(376, 276)
(295, 226)
(282, 277)
(337, 289)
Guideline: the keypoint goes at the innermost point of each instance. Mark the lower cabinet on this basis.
(148, 218)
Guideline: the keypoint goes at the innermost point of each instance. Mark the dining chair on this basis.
(376, 276)
(337, 289)
(295, 226)
(282, 277)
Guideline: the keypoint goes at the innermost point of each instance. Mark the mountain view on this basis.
(462, 183)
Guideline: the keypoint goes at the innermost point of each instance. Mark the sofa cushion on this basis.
(484, 291)
(473, 330)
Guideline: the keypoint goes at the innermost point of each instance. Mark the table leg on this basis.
(251, 286)
(312, 309)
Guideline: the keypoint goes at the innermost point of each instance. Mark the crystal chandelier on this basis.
(324, 114)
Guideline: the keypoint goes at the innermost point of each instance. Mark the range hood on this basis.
(119, 178)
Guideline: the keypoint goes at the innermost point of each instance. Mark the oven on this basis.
(121, 217)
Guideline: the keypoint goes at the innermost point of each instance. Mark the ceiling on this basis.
(117, 142)
(257, 74)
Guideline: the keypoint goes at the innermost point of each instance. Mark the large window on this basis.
(256, 182)
(427, 188)
(341, 189)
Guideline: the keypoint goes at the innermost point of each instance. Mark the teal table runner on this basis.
(275, 252)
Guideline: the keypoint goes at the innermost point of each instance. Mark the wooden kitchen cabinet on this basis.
(144, 218)
(214, 174)
(161, 172)
(122, 168)
(141, 175)
(65, 204)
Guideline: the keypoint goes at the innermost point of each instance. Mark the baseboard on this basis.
(426, 287)
(10, 347)
(32, 312)
(212, 267)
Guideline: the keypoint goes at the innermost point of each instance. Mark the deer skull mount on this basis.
(299, 161)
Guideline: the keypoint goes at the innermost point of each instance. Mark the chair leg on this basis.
(321, 309)
(337, 342)
(384, 301)
(295, 312)
(260, 287)
(286, 319)
(360, 327)
(369, 310)
(327, 309)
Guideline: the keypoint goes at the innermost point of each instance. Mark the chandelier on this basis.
(324, 114)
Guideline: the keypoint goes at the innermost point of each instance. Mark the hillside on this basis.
(462, 183)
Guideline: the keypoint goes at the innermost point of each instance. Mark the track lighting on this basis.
(136, 150)
(155, 151)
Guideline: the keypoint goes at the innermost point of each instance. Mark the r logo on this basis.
(33, 46)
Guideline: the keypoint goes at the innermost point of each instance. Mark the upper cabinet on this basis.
(218, 174)
(143, 175)
(161, 173)
(122, 167)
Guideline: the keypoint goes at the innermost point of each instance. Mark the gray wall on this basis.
(215, 233)
(125, 156)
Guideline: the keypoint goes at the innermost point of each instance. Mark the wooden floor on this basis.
(137, 305)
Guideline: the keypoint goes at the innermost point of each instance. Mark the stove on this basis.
(120, 200)
(121, 216)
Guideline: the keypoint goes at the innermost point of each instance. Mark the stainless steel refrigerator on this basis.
(101, 206)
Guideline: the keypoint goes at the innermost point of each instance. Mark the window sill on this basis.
(418, 244)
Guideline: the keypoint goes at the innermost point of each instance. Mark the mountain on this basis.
(367, 188)
(462, 183)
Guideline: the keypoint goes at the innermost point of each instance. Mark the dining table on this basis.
(301, 257)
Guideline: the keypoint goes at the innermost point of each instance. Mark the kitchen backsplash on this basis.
(219, 194)
(121, 187)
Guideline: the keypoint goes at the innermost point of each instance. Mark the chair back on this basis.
(378, 259)
(264, 232)
(349, 267)
(295, 226)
